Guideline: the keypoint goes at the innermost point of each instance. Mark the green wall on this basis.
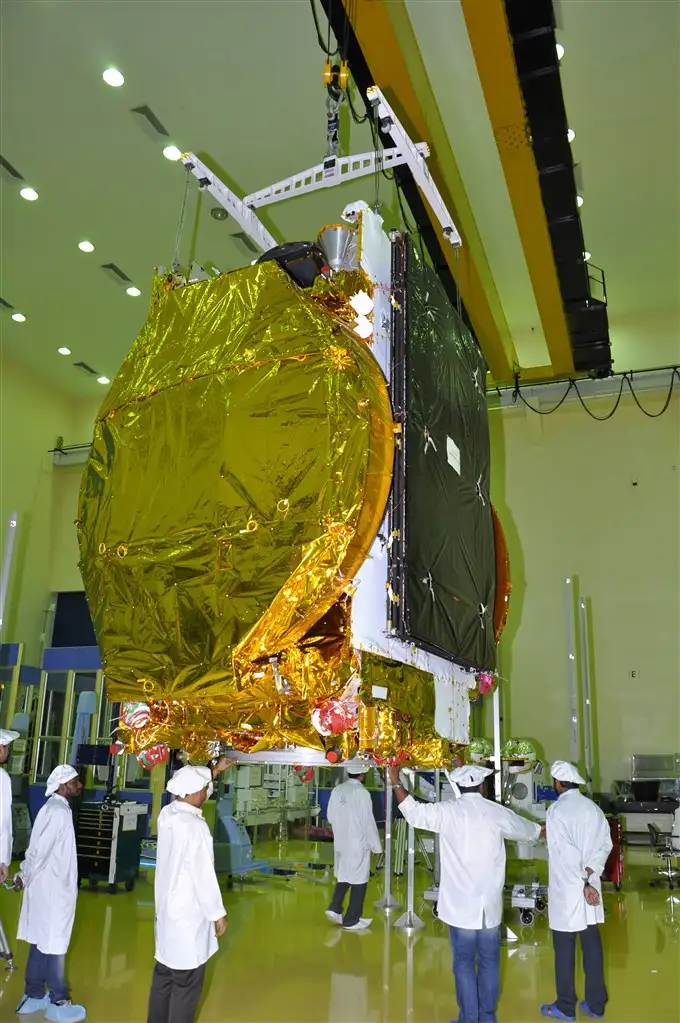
(563, 486)
(32, 416)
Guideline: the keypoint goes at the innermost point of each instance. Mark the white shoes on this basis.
(65, 1012)
(361, 925)
(335, 918)
(29, 1006)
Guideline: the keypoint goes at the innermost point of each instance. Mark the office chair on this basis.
(662, 846)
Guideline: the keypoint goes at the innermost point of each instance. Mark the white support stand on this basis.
(388, 902)
(569, 600)
(497, 767)
(333, 171)
(410, 921)
(416, 164)
(584, 649)
(228, 200)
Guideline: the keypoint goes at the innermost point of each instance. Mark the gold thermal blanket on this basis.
(239, 472)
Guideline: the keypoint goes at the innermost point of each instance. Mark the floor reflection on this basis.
(282, 961)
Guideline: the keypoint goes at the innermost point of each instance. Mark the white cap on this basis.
(7, 736)
(188, 780)
(469, 775)
(355, 768)
(562, 770)
(60, 775)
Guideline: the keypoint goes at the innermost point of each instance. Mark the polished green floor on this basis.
(282, 961)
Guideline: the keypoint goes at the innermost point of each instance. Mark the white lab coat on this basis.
(188, 897)
(472, 832)
(355, 834)
(50, 877)
(578, 837)
(5, 818)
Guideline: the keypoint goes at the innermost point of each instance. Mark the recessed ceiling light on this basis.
(113, 77)
(19, 317)
(586, 256)
(64, 351)
(103, 380)
(579, 200)
(133, 292)
(571, 135)
(29, 193)
(560, 51)
(86, 246)
(172, 153)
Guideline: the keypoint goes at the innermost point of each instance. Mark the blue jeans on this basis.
(476, 969)
(45, 971)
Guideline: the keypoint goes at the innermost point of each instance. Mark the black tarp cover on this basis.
(449, 544)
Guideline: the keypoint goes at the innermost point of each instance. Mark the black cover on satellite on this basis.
(444, 569)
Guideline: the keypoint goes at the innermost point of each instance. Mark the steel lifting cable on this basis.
(180, 225)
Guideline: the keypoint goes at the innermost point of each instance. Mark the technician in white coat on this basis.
(49, 879)
(472, 832)
(355, 837)
(6, 738)
(579, 843)
(190, 913)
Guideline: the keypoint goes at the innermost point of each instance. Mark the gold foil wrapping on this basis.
(239, 472)
(396, 721)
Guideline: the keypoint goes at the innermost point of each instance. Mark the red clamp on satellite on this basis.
(333, 756)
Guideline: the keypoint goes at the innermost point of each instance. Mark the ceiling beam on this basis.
(492, 47)
(372, 26)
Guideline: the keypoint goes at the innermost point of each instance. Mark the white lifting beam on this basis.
(333, 171)
(390, 124)
(246, 219)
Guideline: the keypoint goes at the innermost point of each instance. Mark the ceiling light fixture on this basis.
(586, 257)
(571, 134)
(560, 50)
(64, 351)
(172, 153)
(103, 380)
(579, 200)
(18, 317)
(86, 246)
(113, 77)
(133, 292)
(29, 194)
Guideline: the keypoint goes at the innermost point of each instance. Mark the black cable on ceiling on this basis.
(572, 385)
(325, 47)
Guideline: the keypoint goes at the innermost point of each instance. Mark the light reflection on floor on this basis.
(282, 961)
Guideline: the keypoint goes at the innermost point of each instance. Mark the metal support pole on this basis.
(498, 781)
(437, 851)
(388, 902)
(7, 564)
(66, 720)
(569, 591)
(584, 647)
(410, 921)
(37, 740)
(10, 706)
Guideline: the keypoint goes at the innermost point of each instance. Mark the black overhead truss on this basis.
(532, 28)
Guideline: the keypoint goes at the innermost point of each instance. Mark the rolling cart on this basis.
(109, 842)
